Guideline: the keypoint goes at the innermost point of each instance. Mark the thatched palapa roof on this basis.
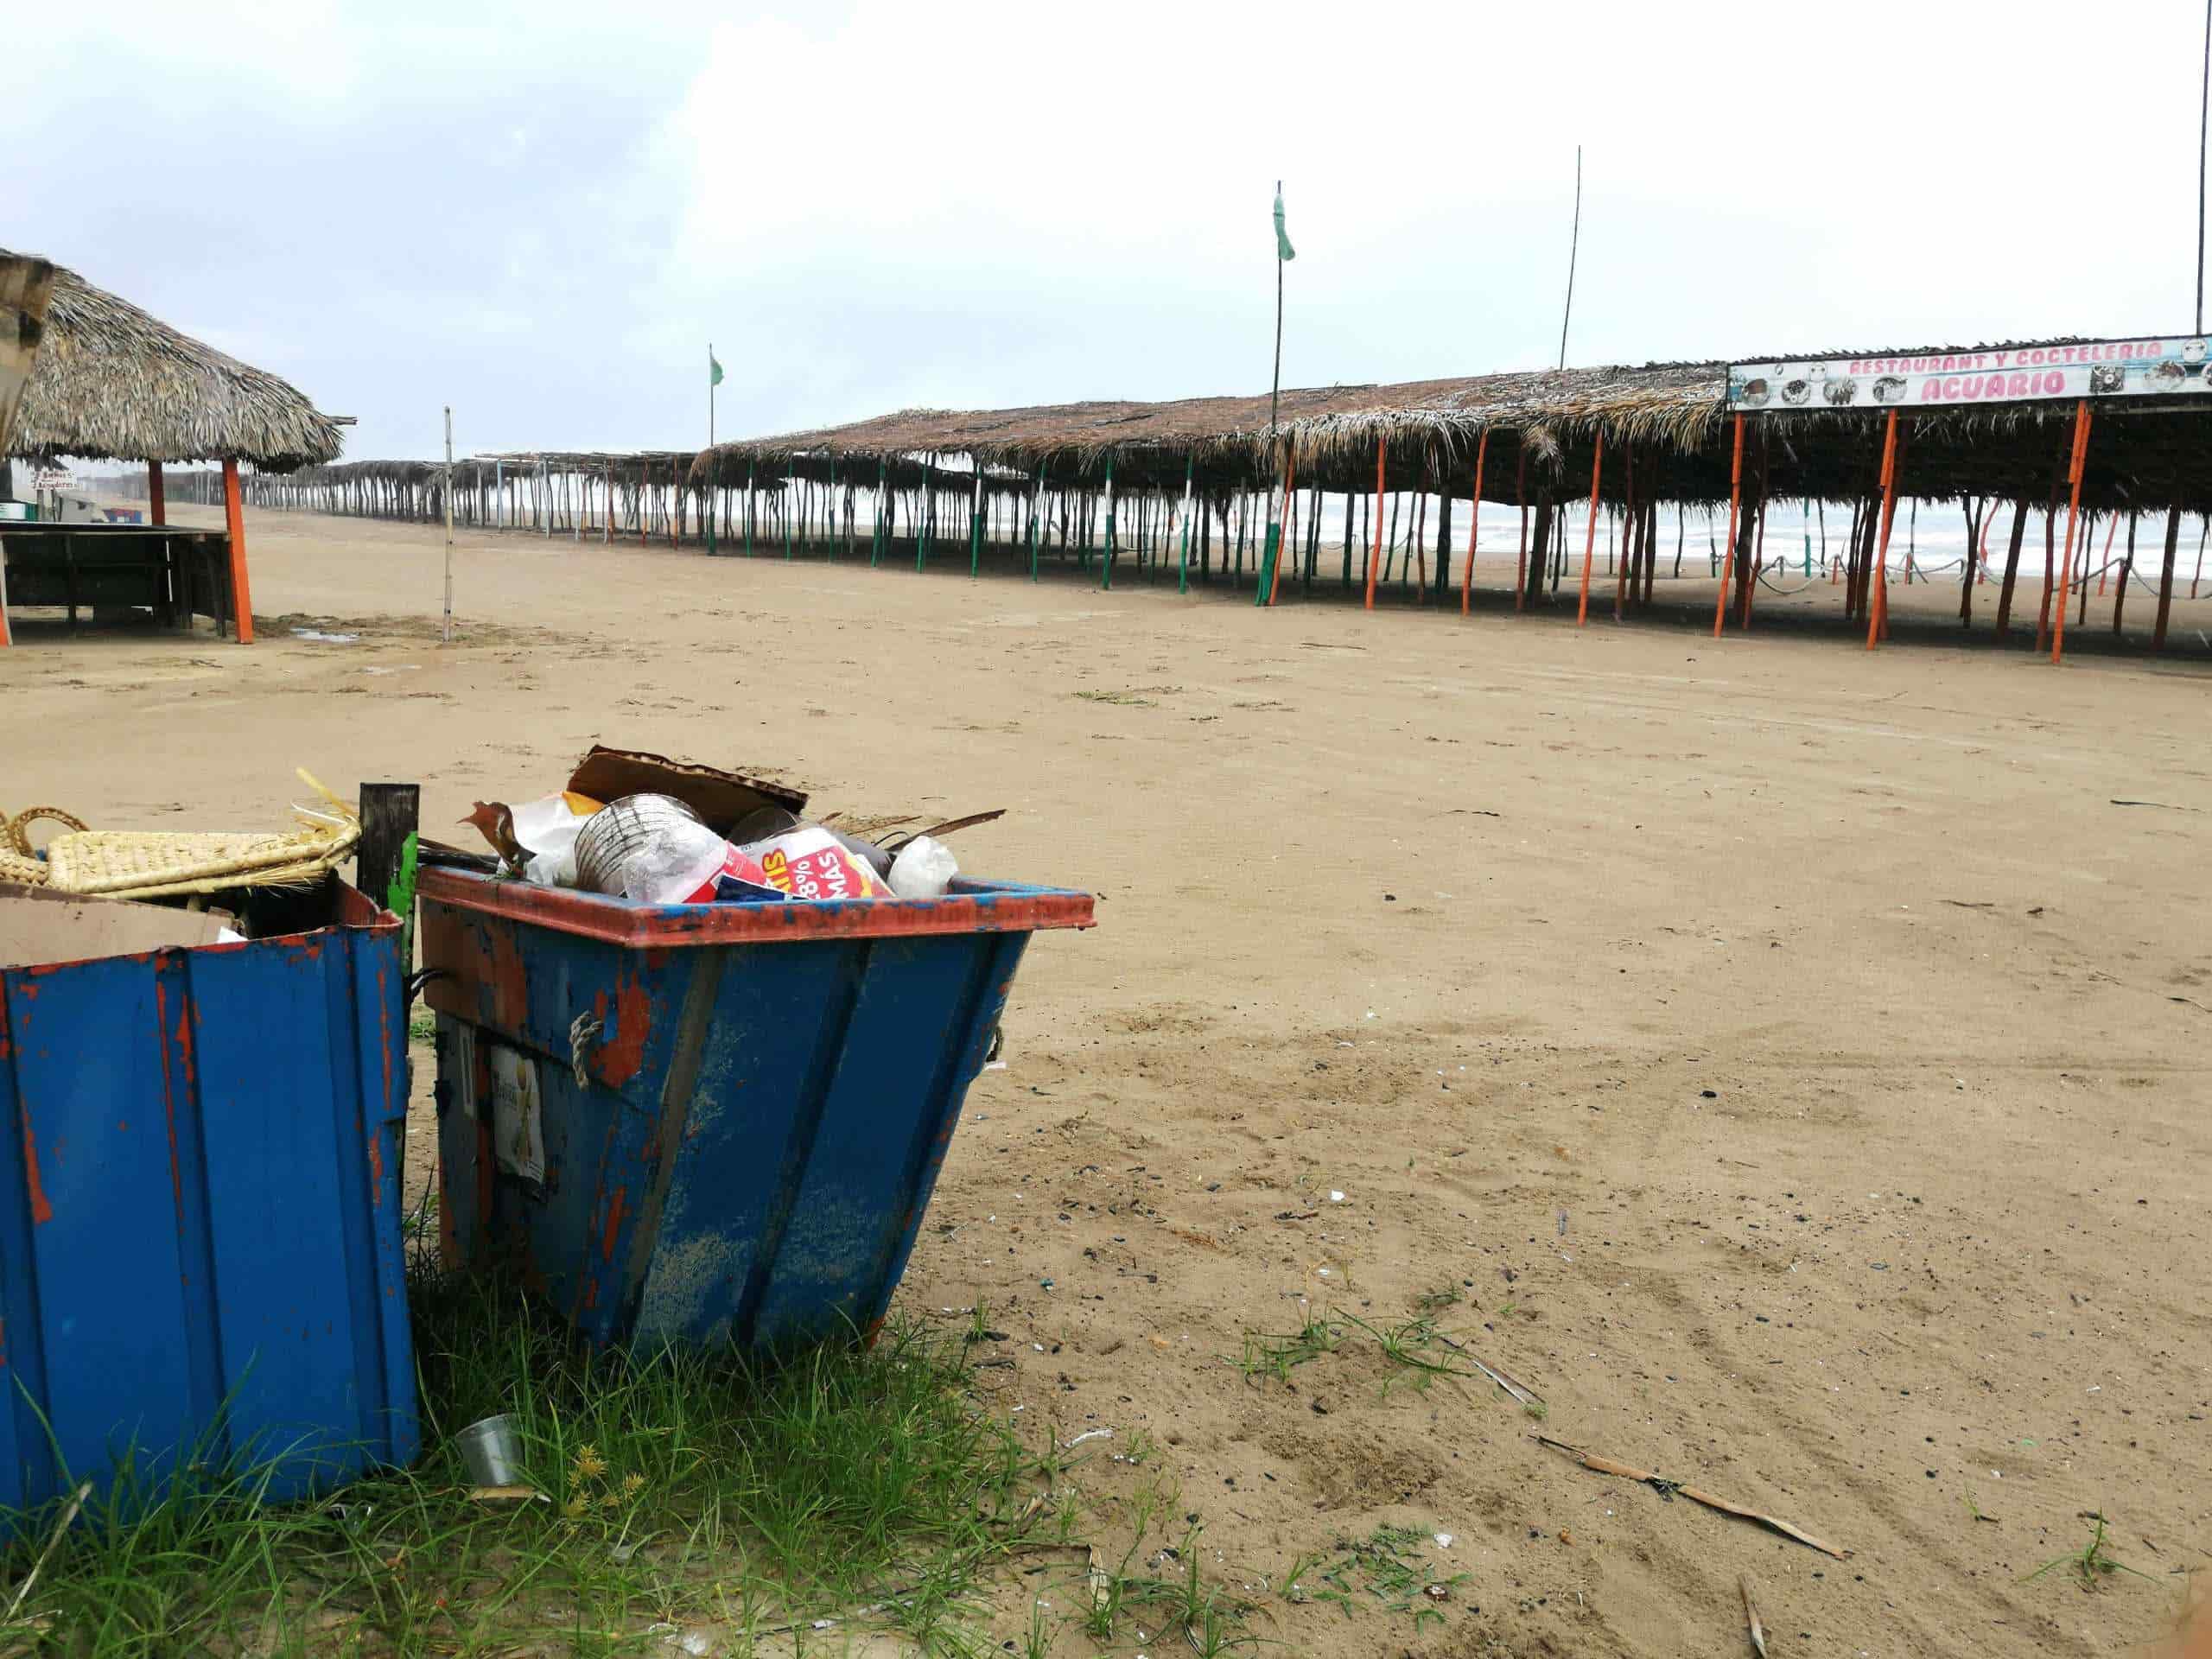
(112, 383)
(1543, 427)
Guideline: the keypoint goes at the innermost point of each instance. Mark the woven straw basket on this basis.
(149, 864)
(18, 861)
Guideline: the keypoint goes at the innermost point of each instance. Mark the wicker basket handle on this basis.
(19, 827)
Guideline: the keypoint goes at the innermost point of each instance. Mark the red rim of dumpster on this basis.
(969, 907)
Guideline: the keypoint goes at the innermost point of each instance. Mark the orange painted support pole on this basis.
(234, 522)
(1590, 538)
(1285, 518)
(1878, 612)
(1375, 557)
(2073, 510)
(1735, 502)
(1474, 523)
(1521, 500)
(157, 495)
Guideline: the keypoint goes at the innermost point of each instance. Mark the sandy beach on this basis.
(1784, 1059)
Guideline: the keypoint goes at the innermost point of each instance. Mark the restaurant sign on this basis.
(2013, 374)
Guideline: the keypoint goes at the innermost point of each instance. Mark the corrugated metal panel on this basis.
(200, 1256)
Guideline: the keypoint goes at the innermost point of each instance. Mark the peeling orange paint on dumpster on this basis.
(615, 1206)
(41, 1211)
(622, 1053)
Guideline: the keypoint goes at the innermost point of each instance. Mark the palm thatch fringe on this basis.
(112, 383)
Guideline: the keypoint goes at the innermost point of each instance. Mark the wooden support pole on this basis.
(1748, 569)
(1183, 565)
(1590, 538)
(2167, 578)
(1735, 503)
(1284, 525)
(1375, 557)
(1628, 535)
(1521, 500)
(1474, 524)
(1876, 611)
(2126, 569)
(157, 501)
(2073, 511)
(234, 522)
(390, 813)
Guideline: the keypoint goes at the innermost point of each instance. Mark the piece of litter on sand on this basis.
(994, 1065)
(1444, 1540)
(1520, 1394)
(322, 638)
(1667, 1488)
(1757, 1630)
(1092, 1434)
(1335, 1197)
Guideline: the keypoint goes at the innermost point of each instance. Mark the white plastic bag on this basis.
(924, 869)
(547, 829)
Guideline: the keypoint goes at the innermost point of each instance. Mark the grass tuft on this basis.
(680, 1488)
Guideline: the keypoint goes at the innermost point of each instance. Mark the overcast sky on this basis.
(541, 214)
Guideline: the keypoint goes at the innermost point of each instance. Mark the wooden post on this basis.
(2126, 569)
(1735, 502)
(2073, 511)
(1629, 522)
(1748, 572)
(1521, 500)
(157, 503)
(675, 509)
(2012, 564)
(390, 814)
(1590, 538)
(975, 521)
(2166, 577)
(234, 522)
(1878, 610)
(1375, 558)
(1474, 524)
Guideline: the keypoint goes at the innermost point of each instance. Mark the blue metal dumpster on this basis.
(200, 1258)
(707, 1122)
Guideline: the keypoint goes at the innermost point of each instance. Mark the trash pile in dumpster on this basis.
(657, 831)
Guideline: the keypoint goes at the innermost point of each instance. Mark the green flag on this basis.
(1283, 249)
(715, 369)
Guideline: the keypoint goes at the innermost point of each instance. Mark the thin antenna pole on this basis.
(1574, 247)
(446, 633)
(2203, 110)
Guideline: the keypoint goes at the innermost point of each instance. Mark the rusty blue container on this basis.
(708, 1123)
(200, 1251)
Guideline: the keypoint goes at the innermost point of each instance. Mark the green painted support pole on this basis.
(875, 548)
(922, 540)
(1273, 550)
(1036, 519)
(976, 522)
(1183, 565)
(1106, 578)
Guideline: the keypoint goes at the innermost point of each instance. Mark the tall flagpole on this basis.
(2204, 114)
(709, 502)
(1573, 247)
(1272, 551)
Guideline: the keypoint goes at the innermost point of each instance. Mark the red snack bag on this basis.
(811, 863)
